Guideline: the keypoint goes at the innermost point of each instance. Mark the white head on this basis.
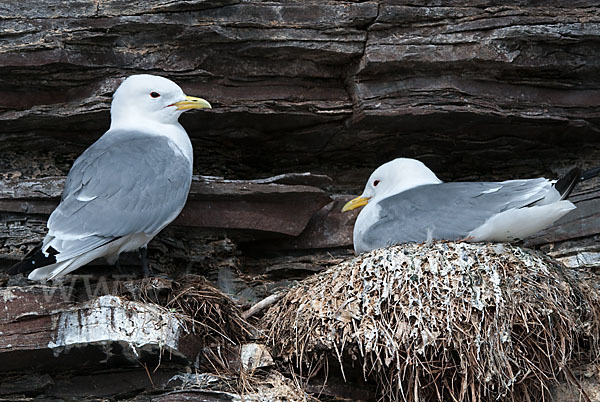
(152, 99)
(392, 178)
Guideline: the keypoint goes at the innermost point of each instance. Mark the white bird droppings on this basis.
(112, 319)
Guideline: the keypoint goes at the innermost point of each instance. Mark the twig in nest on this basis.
(263, 304)
(148, 374)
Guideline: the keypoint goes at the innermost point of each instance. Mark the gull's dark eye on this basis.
(154, 94)
(376, 182)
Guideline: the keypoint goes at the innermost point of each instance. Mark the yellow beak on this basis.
(355, 203)
(192, 103)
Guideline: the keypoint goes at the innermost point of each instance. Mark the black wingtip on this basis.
(33, 260)
(567, 183)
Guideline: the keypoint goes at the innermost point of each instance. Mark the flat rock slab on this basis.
(259, 205)
(42, 329)
(248, 205)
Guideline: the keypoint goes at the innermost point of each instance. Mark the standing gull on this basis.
(126, 187)
(406, 202)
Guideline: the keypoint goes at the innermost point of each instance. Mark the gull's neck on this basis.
(173, 131)
(370, 213)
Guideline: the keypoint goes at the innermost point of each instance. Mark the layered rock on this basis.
(478, 90)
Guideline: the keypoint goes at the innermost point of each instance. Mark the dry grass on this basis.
(271, 386)
(211, 320)
(444, 321)
(212, 314)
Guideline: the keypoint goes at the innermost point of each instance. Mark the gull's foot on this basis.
(147, 271)
(144, 257)
(118, 266)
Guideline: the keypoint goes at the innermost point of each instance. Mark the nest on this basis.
(442, 321)
(211, 314)
(208, 316)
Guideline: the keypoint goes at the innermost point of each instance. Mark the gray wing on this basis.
(126, 182)
(448, 211)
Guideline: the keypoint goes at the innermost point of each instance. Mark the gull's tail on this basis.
(39, 267)
(567, 183)
(33, 260)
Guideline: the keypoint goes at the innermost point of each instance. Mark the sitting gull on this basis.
(126, 187)
(406, 202)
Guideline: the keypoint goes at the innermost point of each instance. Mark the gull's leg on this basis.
(118, 266)
(143, 256)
